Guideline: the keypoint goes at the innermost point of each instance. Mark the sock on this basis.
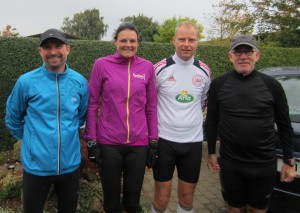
(181, 209)
(156, 210)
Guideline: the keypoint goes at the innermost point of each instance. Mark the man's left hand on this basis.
(288, 173)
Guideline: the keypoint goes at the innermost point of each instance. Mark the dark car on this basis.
(286, 196)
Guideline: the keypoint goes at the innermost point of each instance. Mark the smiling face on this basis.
(54, 54)
(127, 43)
(243, 58)
(186, 41)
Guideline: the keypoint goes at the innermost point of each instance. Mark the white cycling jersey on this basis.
(182, 88)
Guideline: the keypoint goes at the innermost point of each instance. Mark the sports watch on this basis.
(91, 143)
(153, 141)
(290, 162)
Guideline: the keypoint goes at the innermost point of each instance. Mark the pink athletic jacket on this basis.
(122, 107)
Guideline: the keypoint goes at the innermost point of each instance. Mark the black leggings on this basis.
(129, 161)
(36, 189)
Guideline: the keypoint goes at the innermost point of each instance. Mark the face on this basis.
(54, 54)
(244, 58)
(127, 43)
(186, 41)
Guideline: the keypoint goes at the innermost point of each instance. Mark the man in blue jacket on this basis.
(45, 110)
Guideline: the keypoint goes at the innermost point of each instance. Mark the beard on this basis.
(55, 65)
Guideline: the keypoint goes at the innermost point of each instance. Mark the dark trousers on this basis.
(36, 189)
(126, 161)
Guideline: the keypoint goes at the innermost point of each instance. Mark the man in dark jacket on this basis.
(243, 106)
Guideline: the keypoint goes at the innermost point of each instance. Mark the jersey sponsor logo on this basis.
(184, 97)
(197, 80)
(171, 78)
(139, 76)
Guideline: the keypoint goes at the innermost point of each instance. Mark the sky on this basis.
(31, 17)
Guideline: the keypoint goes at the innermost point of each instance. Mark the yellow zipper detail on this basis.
(127, 105)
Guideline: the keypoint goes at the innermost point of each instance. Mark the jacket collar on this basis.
(251, 75)
(123, 60)
(51, 74)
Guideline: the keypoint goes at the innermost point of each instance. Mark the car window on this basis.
(291, 86)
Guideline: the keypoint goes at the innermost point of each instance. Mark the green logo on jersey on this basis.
(184, 97)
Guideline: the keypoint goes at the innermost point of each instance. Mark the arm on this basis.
(205, 93)
(151, 106)
(212, 119)
(282, 119)
(211, 127)
(94, 88)
(83, 103)
(285, 132)
(16, 110)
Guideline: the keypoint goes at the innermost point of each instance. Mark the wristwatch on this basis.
(290, 162)
(91, 143)
(153, 141)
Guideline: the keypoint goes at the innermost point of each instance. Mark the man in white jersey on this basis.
(182, 83)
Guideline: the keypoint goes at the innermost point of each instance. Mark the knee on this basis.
(162, 195)
(186, 199)
(160, 202)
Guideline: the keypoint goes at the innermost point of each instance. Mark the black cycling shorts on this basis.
(247, 185)
(185, 156)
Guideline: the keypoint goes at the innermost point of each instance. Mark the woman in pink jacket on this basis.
(122, 120)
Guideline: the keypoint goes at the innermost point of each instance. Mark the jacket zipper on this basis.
(58, 124)
(127, 105)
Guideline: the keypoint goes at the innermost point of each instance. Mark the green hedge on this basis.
(19, 55)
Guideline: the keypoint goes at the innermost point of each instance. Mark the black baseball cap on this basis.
(243, 40)
(53, 33)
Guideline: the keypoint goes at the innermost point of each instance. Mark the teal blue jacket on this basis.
(45, 111)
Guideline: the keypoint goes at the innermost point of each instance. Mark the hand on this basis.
(287, 173)
(212, 163)
(94, 154)
(152, 153)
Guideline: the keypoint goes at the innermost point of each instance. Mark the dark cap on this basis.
(243, 39)
(53, 33)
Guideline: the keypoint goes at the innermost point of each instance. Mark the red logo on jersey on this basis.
(171, 78)
(197, 80)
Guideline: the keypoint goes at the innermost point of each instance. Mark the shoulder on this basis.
(267, 78)
(104, 60)
(142, 61)
(31, 75)
(218, 82)
(163, 64)
(100, 63)
(77, 76)
(108, 58)
(272, 84)
(204, 67)
(76, 73)
(222, 78)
